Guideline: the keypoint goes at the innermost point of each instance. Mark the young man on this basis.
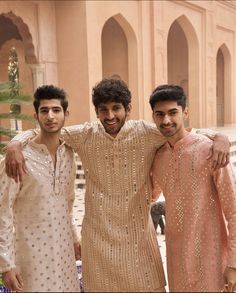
(201, 253)
(36, 243)
(119, 244)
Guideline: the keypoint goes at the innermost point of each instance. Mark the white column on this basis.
(38, 71)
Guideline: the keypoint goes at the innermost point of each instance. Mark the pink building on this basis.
(74, 44)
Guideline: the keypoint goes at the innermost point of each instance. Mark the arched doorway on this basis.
(119, 56)
(223, 85)
(15, 33)
(183, 64)
(114, 51)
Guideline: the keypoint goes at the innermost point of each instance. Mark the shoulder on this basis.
(143, 125)
(201, 139)
(2, 164)
(199, 146)
(81, 128)
(68, 150)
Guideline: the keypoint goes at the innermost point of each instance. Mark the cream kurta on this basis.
(119, 245)
(40, 212)
(198, 248)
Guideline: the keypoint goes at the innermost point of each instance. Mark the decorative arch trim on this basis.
(26, 36)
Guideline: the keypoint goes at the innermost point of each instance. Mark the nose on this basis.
(50, 114)
(110, 114)
(166, 119)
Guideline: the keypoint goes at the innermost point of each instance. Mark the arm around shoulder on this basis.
(220, 148)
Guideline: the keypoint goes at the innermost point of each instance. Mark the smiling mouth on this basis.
(167, 126)
(110, 123)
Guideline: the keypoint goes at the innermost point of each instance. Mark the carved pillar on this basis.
(210, 81)
(38, 72)
(160, 44)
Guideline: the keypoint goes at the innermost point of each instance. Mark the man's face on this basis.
(169, 118)
(112, 116)
(51, 116)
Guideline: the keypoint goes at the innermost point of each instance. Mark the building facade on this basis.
(74, 44)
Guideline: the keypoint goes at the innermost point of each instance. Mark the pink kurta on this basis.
(198, 247)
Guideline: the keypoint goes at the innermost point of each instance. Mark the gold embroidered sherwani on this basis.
(197, 241)
(119, 245)
(39, 213)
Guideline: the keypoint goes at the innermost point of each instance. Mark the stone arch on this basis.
(223, 86)
(14, 32)
(183, 63)
(123, 63)
(25, 34)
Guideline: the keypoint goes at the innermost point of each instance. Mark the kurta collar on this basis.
(43, 147)
(188, 139)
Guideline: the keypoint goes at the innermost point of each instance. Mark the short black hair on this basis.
(49, 92)
(168, 92)
(111, 90)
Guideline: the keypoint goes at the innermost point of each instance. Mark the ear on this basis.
(129, 108)
(185, 113)
(153, 116)
(96, 111)
(35, 116)
(67, 114)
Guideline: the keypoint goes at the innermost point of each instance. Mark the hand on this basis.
(12, 280)
(230, 279)
(220, 151)
(77, 249)
(15, 162)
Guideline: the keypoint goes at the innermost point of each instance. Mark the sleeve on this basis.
(225, 182)
(154, 134)
(205, 131)
(156, 189)
(74, 135)
(71, 199)
(8, 193)
(24, 136)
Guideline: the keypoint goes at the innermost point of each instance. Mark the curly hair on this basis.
(49, 92)
(111, 90)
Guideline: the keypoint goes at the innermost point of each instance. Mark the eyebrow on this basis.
(48, 108)
(171, 110)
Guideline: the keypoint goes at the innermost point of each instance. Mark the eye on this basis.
(116, 108)
(173, 113)
(43, 111)
(159, 114)
(103, 110)
(57, 110)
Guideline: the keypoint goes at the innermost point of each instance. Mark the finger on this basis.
(16, 285)
(214, 163)
(210, 153)
(220, 161)
(20, 280)
(230, 287)
(24, 168)
(8, 170)
(227, 160)
(20, 173)
(13, 171)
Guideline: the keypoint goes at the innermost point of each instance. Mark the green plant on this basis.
(10, 93)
